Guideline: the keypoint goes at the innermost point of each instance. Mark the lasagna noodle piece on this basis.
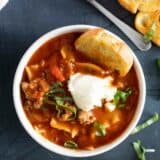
(31, 71)
(66, 127)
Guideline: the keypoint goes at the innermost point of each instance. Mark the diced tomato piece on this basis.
(55, 70)
(57, 73)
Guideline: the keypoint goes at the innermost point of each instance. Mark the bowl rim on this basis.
(43, 141)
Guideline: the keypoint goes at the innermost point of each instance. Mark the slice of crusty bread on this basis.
(142, 5)
(130, 5)
(149, 5)
(105, 50)
(144, 21)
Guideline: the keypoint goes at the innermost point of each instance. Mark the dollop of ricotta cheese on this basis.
(88, 91)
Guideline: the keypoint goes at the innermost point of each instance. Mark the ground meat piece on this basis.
(48, 76)
(28, 105)
(86, 118)
(35, 90)
(38, 103)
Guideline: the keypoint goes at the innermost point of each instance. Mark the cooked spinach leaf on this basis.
(100, 129)
(71, 144)
(57, 97)
(121, 96)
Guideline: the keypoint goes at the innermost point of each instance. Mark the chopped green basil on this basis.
(140, 150)
(149, 35)
(56, 96)
(158, 62)
(150, 121)
(100, 129)
(71, 144)
(63, 98)
(121, 96)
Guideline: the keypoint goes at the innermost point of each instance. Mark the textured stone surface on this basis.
(21, 23)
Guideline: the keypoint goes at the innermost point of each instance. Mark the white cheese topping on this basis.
(88, 91)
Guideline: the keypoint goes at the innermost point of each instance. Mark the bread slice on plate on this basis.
(105, 50)
(149, 5)
(130, 5)
(144, 22)
(142, 5)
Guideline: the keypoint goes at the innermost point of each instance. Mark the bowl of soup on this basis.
(79, 91)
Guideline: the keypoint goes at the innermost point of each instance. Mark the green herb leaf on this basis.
(100, 129)
(149, 122)
(120, 97)
(57, 97)
(149, 35)
(71, 144)
(57, 84)
(72, 109)
(59, 111)
(158, 62)
(63, 98)
(140, 150)
(116, 98)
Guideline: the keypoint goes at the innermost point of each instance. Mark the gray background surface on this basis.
(21, 23)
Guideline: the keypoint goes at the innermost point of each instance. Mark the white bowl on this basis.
(43, 141)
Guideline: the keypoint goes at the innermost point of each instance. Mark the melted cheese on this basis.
(88, 91)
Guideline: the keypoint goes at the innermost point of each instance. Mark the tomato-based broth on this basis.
(50, 92)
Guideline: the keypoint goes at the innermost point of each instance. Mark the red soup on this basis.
(49, 91)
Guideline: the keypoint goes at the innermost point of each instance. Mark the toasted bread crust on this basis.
(149, 5)
(106, 50)
(144, 21)
(142, 5)
(130, 5)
